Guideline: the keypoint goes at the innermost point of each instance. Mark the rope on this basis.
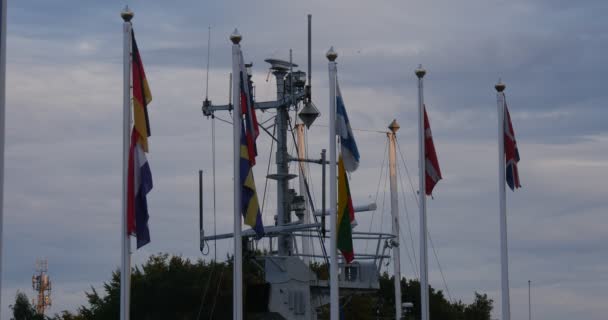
(354, 129)
(268, 168)
(445, 284)
(226, 121)
(409, 225)
(200, 309)
(377, 190)
(217, 293)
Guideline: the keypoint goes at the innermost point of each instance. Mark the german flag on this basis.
(141, 97)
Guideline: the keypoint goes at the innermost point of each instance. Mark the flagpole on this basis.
(392, 140)
(504, 256)
(334, 294)
(424, 275)
(237, 293)
(125, 271)
(2, 127)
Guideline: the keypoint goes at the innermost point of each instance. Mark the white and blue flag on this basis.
(350, 153)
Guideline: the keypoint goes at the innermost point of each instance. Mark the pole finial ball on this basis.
(127, 14)
(394, 126)
(236, 37)
(420, 72)
(500, 86)
(331, 54)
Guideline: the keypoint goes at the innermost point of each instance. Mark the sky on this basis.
(64, 116)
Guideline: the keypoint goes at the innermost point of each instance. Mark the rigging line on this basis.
(312, 205)
(267, 120)
(447, 289)
(355, 129)
(219, 283)
(200, 309)
(222, 120)
(377, 190)
(268, 169)
(412, 264)
(271, 135)
(382, 212)
(409, 177)
(407, 218)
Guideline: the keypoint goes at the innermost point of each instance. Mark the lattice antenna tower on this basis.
(41, 283)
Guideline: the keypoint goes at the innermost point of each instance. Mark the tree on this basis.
(171, 287)
(480, 309)
(23, 310)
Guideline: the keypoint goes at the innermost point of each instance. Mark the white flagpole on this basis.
(237, 293)
(502, 201)
(424, 272)
(392, 140)
(125, 270)
(334, 293)
(2, 126)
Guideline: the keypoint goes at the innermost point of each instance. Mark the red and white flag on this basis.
(433, 172)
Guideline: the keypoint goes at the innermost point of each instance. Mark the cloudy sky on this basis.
(63, 133)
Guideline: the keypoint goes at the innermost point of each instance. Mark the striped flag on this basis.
(511, 152)
(250, 131)
(346, 214)
(348, 145)
(433, 172)
(141, 97)
(139, 182)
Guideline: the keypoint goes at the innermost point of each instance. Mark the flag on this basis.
(139, 178)
(346, 214)
(141, 97)
(349, 149)
(433, 172)
(252, 130)
(138, 185)
(250, 208)
(511, 152)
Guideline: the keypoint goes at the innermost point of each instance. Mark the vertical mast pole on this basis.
(2, 126)
(200, 210)
(502, 202)
(424, 272)
(125, 272)
(237, 294)
(529, 301)
(392, 140)
(334, 294)
(302, 155)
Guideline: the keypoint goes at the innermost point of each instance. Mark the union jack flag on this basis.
(511, 152)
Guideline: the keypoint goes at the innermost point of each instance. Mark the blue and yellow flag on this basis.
(250, 207)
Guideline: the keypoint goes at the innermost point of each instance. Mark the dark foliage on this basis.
(176, 288)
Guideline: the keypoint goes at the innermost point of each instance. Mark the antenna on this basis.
(208, 59)
(309, 53)
(230, 91)
(41, 283)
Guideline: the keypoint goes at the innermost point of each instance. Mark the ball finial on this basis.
(127, 14)
(500, 86)
(420, 72)
(236, 37)
(331, 54)
(394, 126)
